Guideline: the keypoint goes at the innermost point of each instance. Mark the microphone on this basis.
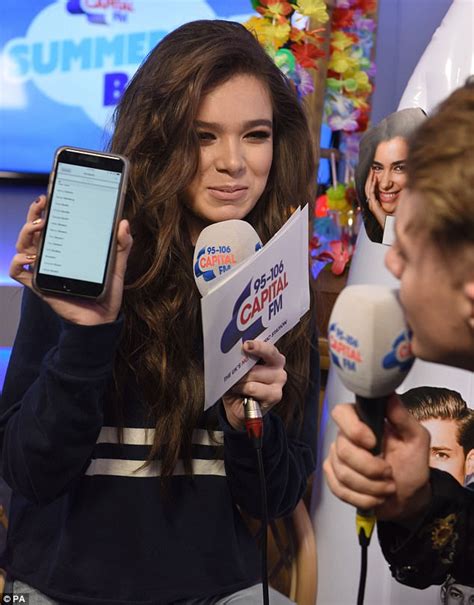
(369, 345)
(220, 248)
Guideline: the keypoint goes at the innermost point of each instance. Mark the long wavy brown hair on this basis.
(154, 128)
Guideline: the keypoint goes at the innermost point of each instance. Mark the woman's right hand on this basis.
(372, 201)
(75, 310)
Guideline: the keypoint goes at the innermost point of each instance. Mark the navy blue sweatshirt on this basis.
(87, 523)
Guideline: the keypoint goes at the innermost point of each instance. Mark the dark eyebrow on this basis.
(397, 163)
(441, 449)
(249, 124)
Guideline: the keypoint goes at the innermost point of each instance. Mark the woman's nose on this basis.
(230, 158)
(385, 180)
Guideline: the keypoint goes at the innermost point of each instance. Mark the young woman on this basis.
(124, 491)
(381, 172)
(427, 518)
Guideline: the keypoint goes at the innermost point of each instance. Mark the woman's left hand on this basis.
(371, 187)
(264, 382)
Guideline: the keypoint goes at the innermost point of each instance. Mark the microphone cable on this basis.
(372, 412)
(254, 427)
(365, 522)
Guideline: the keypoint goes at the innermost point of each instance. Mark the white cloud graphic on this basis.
(70, 59)
(12, 94)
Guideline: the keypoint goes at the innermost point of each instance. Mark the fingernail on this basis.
(38, 199)
(249, 346)
(37, 221)
(31, 257)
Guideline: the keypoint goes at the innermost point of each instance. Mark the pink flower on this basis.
(340, 256)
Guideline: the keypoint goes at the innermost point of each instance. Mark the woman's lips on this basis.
(388, 201)
(388, 196)
(227, 193)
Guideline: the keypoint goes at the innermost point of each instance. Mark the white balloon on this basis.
(447, 61)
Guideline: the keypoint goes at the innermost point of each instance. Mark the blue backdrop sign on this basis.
(65, 65)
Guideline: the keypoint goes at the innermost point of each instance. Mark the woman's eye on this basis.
(259, 135)
(205, 136)
(400, 168)
(376, 168)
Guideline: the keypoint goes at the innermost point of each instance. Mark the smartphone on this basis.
(84, 205)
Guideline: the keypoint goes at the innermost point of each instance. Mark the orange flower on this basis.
(307, 54)
(274, 8)
(300, 36)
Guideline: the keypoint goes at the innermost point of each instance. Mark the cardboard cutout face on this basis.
(381, 168)
(453, 593)
(450, 423)
(446, 453)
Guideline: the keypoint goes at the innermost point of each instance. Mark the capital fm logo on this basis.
(344, 348)
(212, 261)
(254, 309)
(401, 355)
(241, 325)
(101, 12)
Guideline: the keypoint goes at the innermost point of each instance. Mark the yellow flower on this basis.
(363, 83)
(268, 34)
(341, 62)
(340, 40)
(357, 81)
(312, 8)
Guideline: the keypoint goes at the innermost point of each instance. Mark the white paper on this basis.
(262, 298)
(389, 230)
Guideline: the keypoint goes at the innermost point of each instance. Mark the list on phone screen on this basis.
(80, 222)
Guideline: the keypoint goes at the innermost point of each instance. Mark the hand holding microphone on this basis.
(369, 343)
(219, 249)
(263, 384)
(396, 485)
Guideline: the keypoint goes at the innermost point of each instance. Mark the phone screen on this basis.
(86, 195)
(80, 222)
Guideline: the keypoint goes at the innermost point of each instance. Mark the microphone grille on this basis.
(369, 340)
(219, 248)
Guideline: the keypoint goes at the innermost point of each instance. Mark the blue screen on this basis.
(64, 65)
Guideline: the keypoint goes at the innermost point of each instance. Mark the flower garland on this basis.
(350, 71)
(282, 29)
(346, 109)
(335, 228)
